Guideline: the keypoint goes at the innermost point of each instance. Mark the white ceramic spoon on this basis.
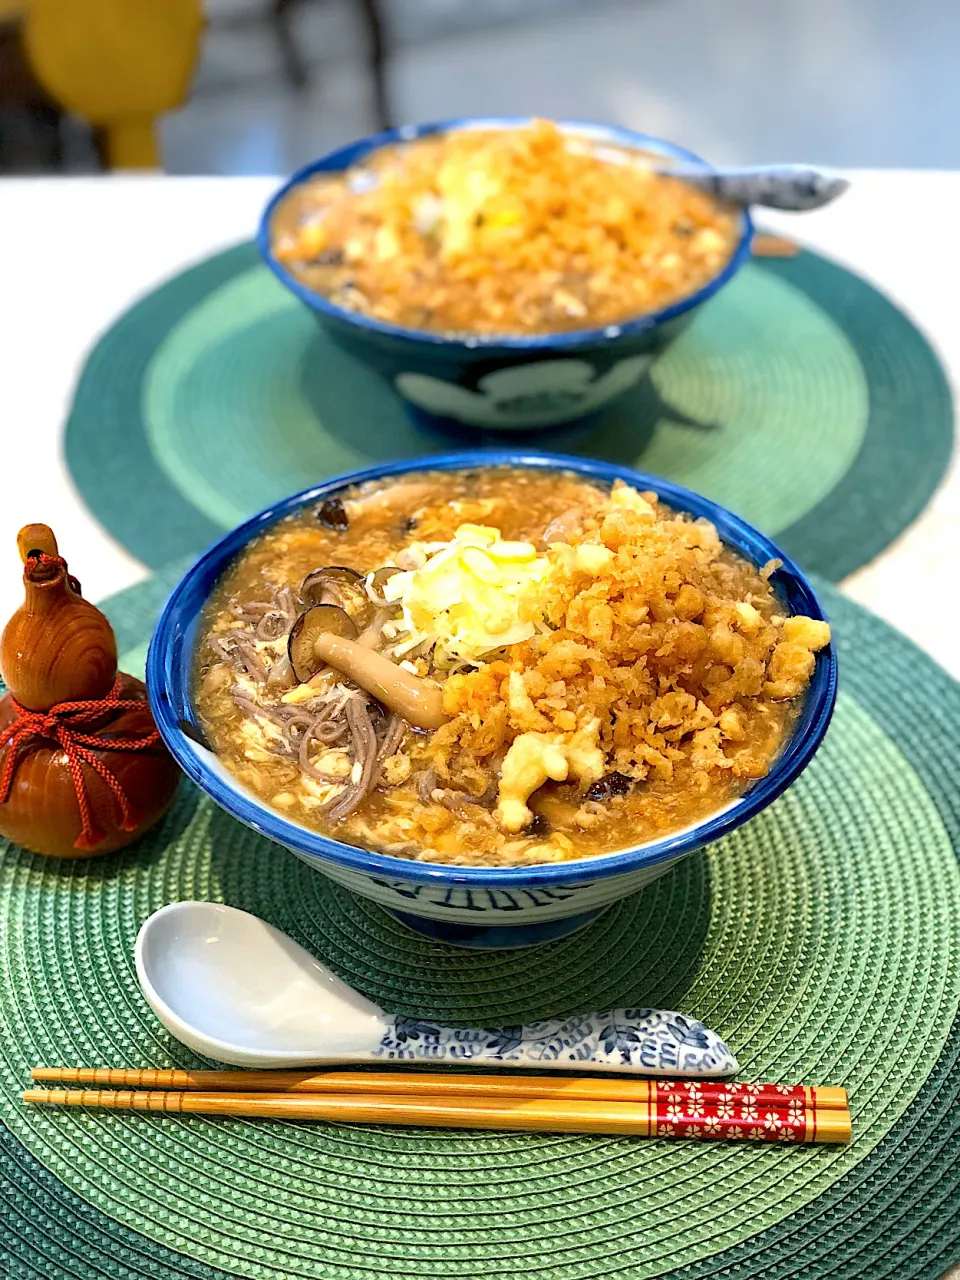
(234, 988)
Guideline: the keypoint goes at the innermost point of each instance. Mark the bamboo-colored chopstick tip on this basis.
(834, 1126)
(830, 1099)
(55, 1074)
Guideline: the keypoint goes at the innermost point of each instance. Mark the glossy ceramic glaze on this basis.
(476, 906)
(234, 988)
(494, 382)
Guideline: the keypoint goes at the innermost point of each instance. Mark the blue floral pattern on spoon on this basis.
(652, 1042)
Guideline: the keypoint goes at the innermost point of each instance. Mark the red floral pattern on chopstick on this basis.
(764, 1113)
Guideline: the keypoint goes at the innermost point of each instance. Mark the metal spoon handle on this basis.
(650, 1042)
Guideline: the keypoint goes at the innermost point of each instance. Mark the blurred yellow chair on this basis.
(117, 63)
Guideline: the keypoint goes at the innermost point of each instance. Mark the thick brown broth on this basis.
(682, 697)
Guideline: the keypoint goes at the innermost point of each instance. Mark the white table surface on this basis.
(76, 252)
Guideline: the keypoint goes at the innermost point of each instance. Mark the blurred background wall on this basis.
(839, 82)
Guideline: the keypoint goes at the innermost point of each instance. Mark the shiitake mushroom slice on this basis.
(322, 619)
(610, 785)
(333, 515)
(539, 826)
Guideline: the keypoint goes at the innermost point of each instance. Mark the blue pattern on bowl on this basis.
(501, 383)
(478, 898)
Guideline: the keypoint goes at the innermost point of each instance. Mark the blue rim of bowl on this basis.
(169, 672)
(343, 157)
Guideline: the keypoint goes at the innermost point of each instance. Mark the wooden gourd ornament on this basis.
(82, 768)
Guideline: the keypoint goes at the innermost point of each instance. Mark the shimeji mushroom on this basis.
(321, 620)
(377, 581)
(337, 584)
(327, 636)
(418, 701)
(331, 585)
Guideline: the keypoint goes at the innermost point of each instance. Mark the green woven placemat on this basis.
(800, 397)
(822, 940)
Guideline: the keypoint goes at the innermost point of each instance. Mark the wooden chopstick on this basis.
(434, 1084)
(456, 1112)
(766, 245)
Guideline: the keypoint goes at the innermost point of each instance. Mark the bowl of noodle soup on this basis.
(493, 692)
(503, 273)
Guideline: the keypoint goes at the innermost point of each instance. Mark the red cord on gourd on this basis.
(39, 565)
(63, 724)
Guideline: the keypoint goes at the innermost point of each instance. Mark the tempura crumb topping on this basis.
(655, 640)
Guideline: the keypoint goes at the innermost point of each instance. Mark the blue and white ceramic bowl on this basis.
(476, 906)
(502, 383)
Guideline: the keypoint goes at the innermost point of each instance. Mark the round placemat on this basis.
(822, 941)
(800, 397)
